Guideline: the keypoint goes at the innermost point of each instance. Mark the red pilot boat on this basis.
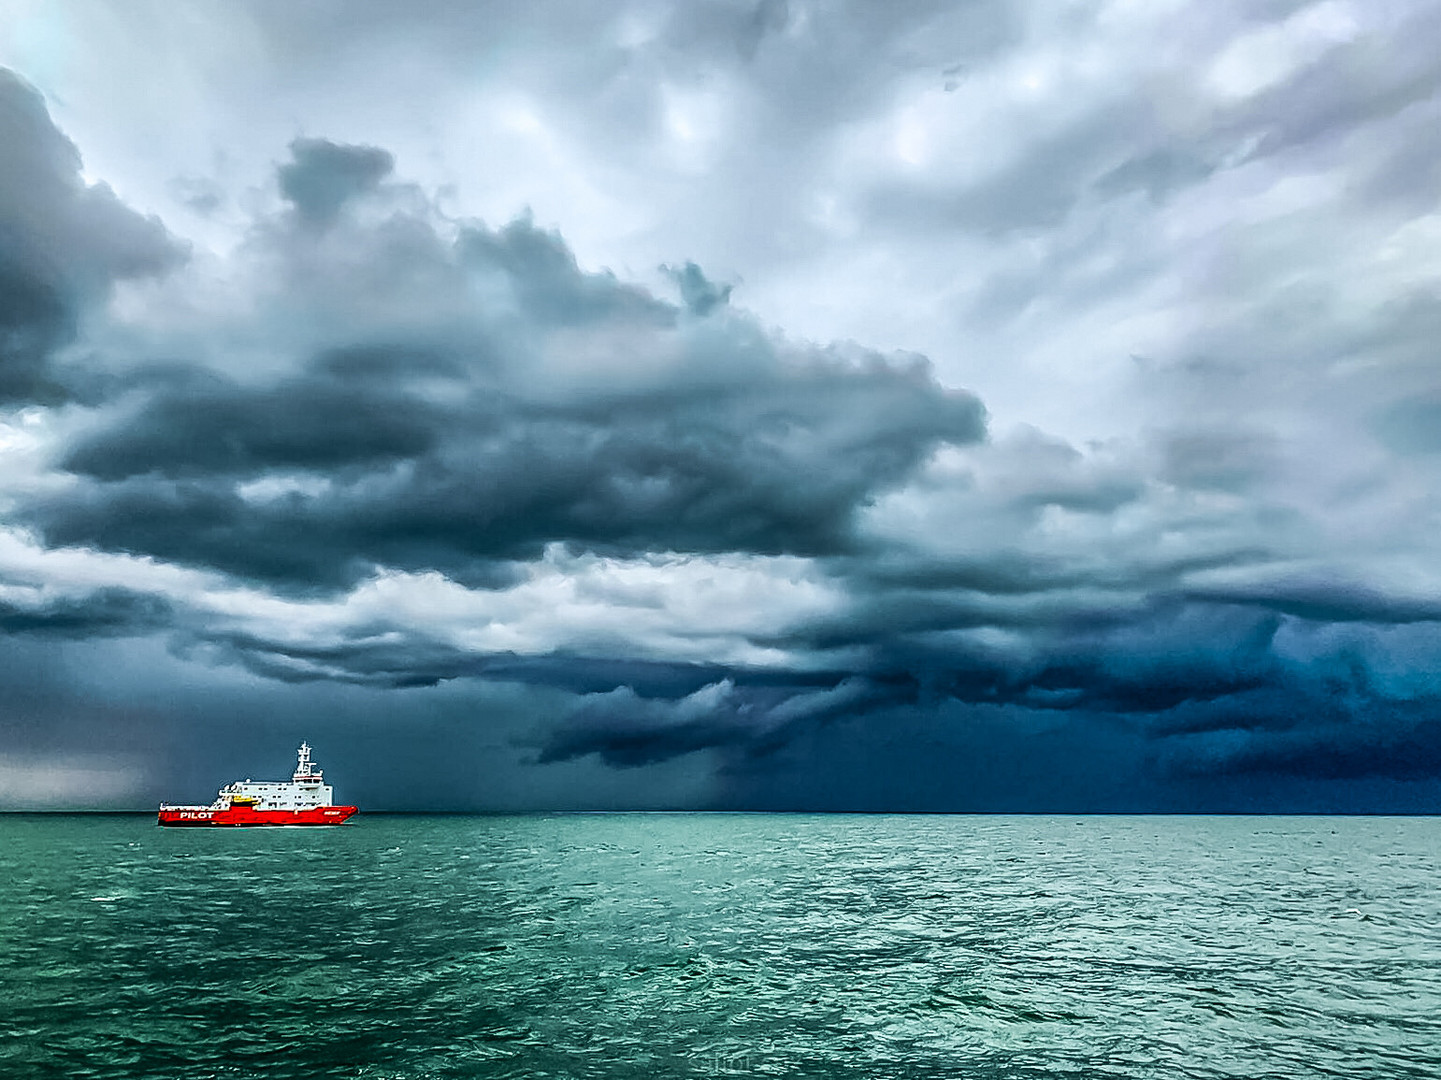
(306, 800)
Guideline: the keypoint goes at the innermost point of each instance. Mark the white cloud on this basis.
(1269, 54)
(684, 608)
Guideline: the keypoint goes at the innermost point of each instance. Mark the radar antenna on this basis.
(305, 772)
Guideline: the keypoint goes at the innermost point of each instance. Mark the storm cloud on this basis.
(754, 405)
(552, 406)
(63, 243)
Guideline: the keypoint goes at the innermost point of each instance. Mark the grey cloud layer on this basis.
(63, 243)
(487, 440)
(1239, 584)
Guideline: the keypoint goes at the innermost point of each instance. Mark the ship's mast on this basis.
(305, 773)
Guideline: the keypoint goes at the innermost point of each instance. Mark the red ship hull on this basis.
(231, 817)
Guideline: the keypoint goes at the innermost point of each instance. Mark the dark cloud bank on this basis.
(63, 243)
(463, 399)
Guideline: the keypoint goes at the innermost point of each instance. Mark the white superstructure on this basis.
(305, 790)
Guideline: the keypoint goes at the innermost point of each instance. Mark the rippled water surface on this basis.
(722, 945)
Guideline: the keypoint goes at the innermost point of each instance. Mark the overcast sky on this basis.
(793, 404)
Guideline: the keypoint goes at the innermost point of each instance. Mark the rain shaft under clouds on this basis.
(409, 474)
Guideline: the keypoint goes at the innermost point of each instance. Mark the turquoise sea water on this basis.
(688, 945)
